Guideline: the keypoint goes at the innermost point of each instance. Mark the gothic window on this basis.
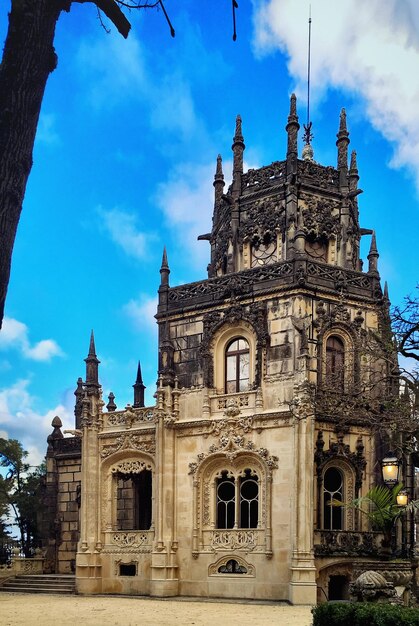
(237, 500)
(232, 567)
(333, 490)
(134, 500)
(335, 362)
(237, 366)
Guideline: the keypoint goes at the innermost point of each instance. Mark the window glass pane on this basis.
(242, 344)
(231, 386)
(244, 366)
(231, 367)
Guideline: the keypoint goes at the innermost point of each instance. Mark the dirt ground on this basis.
(43, 610)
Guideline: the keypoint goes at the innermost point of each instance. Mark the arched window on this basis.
(237, 500)
(237, 366)
(134, 500)
(335, 362)
(333, 490)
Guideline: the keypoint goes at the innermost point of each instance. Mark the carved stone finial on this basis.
(111, 406)
(219, 175)
(373, 256)
(92, 364)
(164, 270)
(139, 388)
(342, 143)
(292, 128)
(238, 135)
(354, 166)
(56, 433)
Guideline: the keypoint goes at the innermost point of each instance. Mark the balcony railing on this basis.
(346, 543)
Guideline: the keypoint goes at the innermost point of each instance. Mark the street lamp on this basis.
(402, 498)
(390, 467)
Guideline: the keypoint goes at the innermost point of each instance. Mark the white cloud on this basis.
(119, 71)
(20, 420)
(118, 66)
(369, 48)
(187, 201)
(46, 132)
(122, 229)
(14, 335)
(142, 311)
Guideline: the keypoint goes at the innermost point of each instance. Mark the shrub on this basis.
(362, 613)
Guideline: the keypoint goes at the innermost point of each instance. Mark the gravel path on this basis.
(44, 610)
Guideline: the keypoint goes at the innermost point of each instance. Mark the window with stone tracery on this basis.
(333, 492)
(237, 500)
(335, 362)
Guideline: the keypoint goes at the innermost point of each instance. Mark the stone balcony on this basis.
(329, 543)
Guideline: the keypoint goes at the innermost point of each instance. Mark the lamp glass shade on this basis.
(390, 469)
(402, 498)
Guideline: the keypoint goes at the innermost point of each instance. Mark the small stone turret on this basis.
(92, 365)
(373, 256)
(292, 129)
(238, 149)
(139, 388)
(342, 145)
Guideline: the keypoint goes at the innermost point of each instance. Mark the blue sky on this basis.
(124, 161)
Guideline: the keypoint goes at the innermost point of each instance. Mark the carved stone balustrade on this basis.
(129, 417)
(123, 541)
(346, 543)
(243, 401)
(244, 540)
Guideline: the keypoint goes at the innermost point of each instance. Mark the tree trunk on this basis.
(28, 59)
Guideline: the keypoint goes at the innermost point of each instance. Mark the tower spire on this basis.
(218, 184)
(373, 256)
(292, 128)
(139, 388)
(92, 364)
(342, 143)
(238, 149)
(164, 269)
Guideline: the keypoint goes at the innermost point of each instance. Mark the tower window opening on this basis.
(237, 366)
(134, 501)
(332, 495)
(335, 363)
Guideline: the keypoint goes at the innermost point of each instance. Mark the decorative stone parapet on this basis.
(346, 543)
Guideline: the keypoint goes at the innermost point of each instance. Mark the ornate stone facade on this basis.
(224, 487)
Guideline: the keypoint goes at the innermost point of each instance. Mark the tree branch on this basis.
(112, 12)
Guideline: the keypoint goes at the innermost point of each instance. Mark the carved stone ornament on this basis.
(243, 567)
(340, 450)
(130, 416)
(131, 467)
(129, 442)
(234, 540)
(320, 218)
(129, 540)
(231, 445)
(264, 177)
(254, 315)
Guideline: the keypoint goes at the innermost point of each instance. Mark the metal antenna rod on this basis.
(308, 67)
(308, 135)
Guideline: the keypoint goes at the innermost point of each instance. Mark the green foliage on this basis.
(380, 506)
(361, 613)
(20, 494)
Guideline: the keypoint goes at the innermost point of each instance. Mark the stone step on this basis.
(41, 583)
